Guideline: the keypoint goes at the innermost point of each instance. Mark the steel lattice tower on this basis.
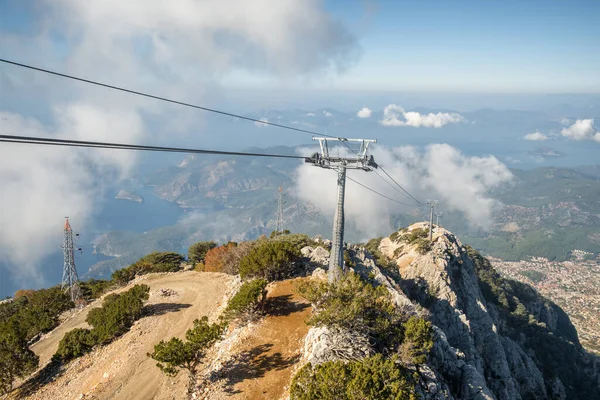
(340, 164)
(280, 203)
(438, 214)
(432, 204)
(70, 280)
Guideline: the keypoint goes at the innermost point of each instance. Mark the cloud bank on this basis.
(364, 113)
(182, 50)
(535, 136)
(460, 182)
(394, 115)
(582, 129)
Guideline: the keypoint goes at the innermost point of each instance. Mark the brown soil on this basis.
(265, 359)
(122, 370)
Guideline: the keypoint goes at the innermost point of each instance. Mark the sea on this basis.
(115, 215)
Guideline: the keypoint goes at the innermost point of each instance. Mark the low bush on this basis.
(163, 262)
(197, 251)
(118, 313)
(153, 262)
(372, 378)
(355, 305)
(271, 260)
(115, 317)
(16, 359)
(298, 240)
(94, 288)
(177, 354)
(36, 311)
(75, 343)
(418, 341)
(247, 304)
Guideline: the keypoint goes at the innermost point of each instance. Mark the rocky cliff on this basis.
(494, 338)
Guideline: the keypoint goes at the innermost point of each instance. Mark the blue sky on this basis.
(477, 46)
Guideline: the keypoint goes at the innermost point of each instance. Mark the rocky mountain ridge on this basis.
(492, 338)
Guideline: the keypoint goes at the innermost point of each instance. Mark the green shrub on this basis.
(248, 302)
(372, 378)
(153, 262)
(94, 288)
(37, 311)
(197, 251)
(348, 262)
(298, 240)
(115, 317)
(177, 354)
(271, 260)
(418, 341)
(75, 343)
(355, 305)
(164, 262)
(118, 313)
(16, 359)
(123, 276)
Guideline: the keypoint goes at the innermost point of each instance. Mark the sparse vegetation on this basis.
(176, 354)
(372, 247)
(271, 260)
(355, 305)
(115, 317)
(247, 304)
(372, 378)
(423, 245)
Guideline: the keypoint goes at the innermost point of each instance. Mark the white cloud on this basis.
(394, 115)
(182, 50)
(327, 114)
(364, 113)
(260, 125)
(535, 136)
(582, 129)
(43, 184)
(310, 114)
(460, 182)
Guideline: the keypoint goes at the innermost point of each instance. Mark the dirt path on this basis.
(122, 369)
(266, 358)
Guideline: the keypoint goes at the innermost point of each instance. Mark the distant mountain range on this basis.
(547, 212)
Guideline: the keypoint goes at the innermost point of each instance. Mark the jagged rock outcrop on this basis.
(480, 352)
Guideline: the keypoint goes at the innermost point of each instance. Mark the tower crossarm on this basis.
(359, 160)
